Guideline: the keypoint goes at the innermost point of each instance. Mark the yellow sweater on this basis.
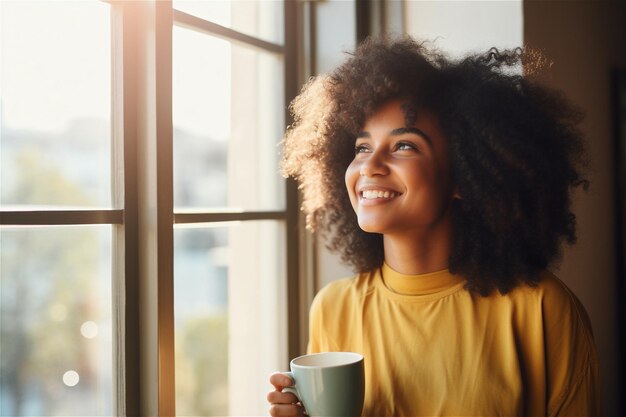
(433, 348)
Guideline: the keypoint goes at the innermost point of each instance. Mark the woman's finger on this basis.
(280, 381)
(277, 397)
(286, 410)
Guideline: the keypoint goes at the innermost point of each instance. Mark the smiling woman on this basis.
(399, 183)
(446, 184)
(403, 171)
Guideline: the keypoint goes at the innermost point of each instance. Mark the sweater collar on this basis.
(421, 284)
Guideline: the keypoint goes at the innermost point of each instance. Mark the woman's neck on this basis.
(421, 253)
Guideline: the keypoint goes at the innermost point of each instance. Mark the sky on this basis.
(56, 60)
(55, 63)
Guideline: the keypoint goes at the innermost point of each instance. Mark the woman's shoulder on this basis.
(345, 290)
(548, 287)
(555, 300)
(549, 290)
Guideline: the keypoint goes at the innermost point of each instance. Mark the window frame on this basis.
(142, 200)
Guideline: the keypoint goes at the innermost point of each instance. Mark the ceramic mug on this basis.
(329, 383)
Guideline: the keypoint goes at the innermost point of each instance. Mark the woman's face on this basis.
(399, 180)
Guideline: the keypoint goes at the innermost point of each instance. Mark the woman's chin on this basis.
(369, 227)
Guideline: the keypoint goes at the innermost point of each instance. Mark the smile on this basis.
(378, 194)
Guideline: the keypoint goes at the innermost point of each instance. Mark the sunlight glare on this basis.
(49, 65)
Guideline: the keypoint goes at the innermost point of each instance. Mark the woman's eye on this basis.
(404, 146)
(360, 149)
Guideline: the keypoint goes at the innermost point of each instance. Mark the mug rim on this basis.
(357, 357)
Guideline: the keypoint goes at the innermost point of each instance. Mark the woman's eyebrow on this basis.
(399, 131)
(414, 130)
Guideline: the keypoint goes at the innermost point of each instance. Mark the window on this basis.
(229, 277)
(55, 282)
(146, 234)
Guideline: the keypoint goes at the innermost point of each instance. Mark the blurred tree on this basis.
(39, 182)
(45, 275)
(202, 367)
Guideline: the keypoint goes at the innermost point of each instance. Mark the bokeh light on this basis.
(89, 329)
(71, 378)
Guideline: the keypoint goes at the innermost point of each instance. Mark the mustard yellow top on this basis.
(432, 348)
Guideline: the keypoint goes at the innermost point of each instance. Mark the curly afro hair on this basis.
(515, 152)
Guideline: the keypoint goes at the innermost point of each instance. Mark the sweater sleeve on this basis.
(321, 322)
(572, 358)
(316, 334)
(583, 398)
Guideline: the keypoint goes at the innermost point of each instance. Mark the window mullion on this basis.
(148, 136)
(60, 217)
(295, 284)
(125, 266)
(165, 206)
(195, 23)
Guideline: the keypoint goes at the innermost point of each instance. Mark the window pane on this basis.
(228, 118)
(56, 338)
(230, 315)
(55, 92)
(259, 18)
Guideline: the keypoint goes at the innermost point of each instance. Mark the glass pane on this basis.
(230, 315)
(55, 91)
(263, 19)
(55, 321)
(228, 119)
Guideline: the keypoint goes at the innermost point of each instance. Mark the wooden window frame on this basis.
(143, 215)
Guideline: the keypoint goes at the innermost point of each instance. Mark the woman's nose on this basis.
(375, 164)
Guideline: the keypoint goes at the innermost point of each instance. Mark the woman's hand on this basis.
(283, 403)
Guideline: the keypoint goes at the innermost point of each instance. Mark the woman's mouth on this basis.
(378, 194)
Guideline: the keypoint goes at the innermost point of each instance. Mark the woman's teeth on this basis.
(372, 194)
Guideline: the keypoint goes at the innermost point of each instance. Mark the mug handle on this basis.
(292, 389)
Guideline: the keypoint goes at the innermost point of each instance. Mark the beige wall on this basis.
(335, 34)
(585, 40)
(459, 27)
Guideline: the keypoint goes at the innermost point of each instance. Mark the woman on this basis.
(447, 186)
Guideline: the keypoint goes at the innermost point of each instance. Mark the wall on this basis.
(490, 23)
(585, 40)
(335, 34)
